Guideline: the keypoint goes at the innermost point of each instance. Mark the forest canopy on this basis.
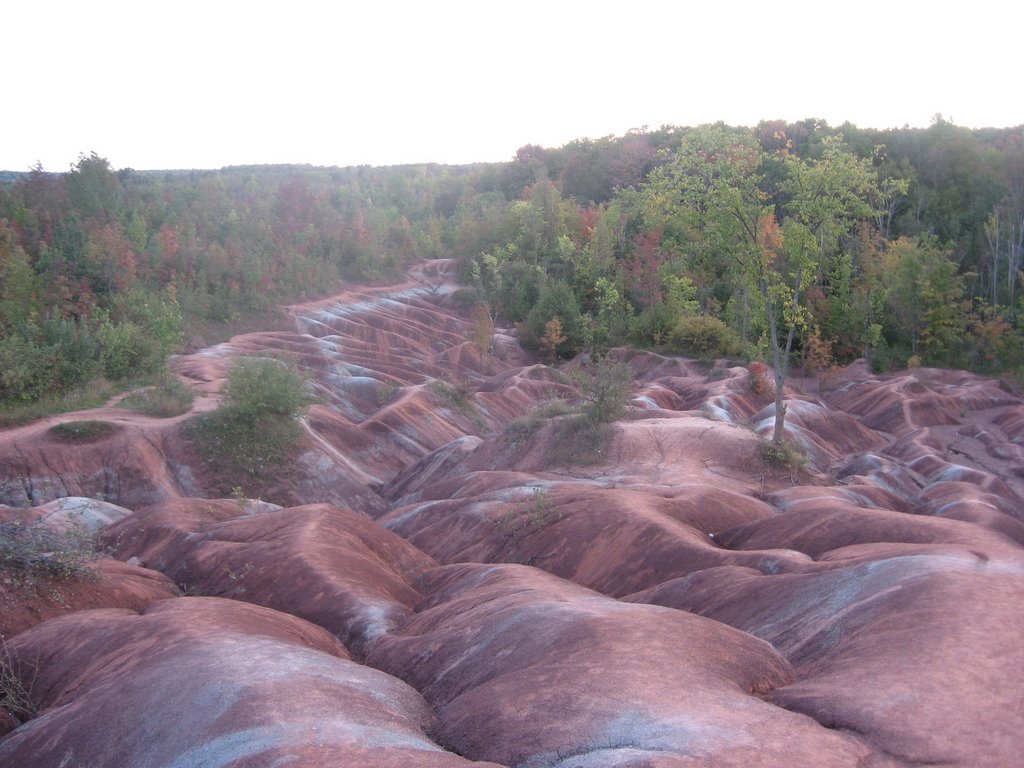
(787, 239)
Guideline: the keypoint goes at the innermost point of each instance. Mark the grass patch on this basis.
(170, 397)
(87, 431)
(93, 395)
(524, 426)
(457, 396)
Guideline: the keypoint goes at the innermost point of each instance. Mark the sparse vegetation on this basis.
(785, 457)
(605, 385)
(91, 395)
(531, 422)
(15, 685)
(85, 431)
(580, 441)
(386, 392)
(169, 397)
(253, 434)
(542, 510)
(457, 396)
(31, 550)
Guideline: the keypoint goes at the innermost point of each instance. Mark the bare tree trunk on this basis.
(779, 434)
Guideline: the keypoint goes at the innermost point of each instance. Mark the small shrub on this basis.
(456, 396)
(605, 386)
(786, 457)
(86, 431)
(262, 386)
(15, 686)
(386, 391)
(914, 361)
(542, 510)
(30, 550)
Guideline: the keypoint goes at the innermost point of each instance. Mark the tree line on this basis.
(779, 241)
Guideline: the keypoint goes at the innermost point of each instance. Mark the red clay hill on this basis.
(449, 574)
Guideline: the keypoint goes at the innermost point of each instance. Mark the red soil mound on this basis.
(247, 686)
(918, 655)
(333, 567)
(525, 669)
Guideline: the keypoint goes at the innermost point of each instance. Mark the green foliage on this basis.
(126, 351)
(654, 325)
(705, 337)
(26, 370)
(262, 386)
(234, 447)
(254, 433)
(556, 301)
(927, 300)
(86, 431)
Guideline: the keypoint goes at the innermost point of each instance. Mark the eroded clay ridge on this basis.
(445, 587)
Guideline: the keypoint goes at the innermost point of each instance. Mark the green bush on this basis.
(252, 436)
(126, 351)
(654, 325)
(785, 457)
(27, 370)
(262, 386)
(704, 336)
(556, 300)
(236, 449)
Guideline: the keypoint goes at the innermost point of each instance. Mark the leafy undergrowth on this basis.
(94, 395)
(86, 431)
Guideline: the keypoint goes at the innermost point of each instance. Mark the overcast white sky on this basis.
(208, 84)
